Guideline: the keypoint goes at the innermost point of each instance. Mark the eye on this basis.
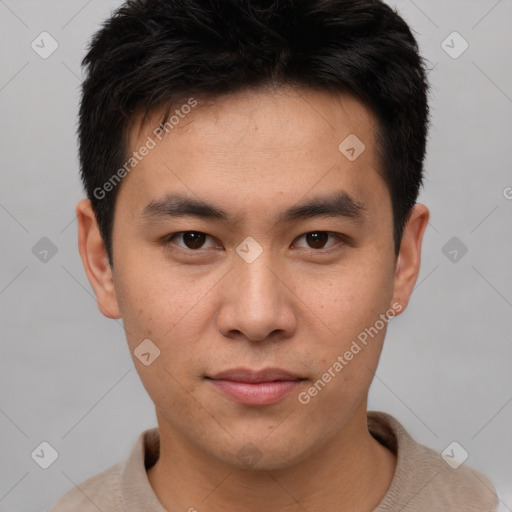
(317, 239)
(193, 240)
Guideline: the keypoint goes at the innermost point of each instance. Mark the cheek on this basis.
(156, 300)
(153, 310)
(350, 306)
(174, 313)
(347, 300)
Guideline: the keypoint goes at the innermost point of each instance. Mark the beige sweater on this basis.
(423, 481)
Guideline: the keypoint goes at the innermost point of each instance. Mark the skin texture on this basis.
(296, 307)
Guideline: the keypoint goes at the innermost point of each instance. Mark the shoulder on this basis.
(122, 483)
(99, 492)
(457, 486)
(424, 479)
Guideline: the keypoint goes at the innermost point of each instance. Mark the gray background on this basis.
(66, 376)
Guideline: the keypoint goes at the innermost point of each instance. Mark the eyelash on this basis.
(167, 241)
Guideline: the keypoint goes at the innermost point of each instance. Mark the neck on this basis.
(351, 472)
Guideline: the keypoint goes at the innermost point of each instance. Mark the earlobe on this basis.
(409, 258)
(95, 260)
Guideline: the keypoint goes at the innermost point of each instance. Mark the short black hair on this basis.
(151, 54)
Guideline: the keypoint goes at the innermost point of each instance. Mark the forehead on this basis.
(300, 116)
(277, 144)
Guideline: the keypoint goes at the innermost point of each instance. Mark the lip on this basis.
(249, 387)
(248, 375)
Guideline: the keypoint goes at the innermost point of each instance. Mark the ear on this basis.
(95, 259)
(409, 257)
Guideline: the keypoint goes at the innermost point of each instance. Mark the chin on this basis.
(263, 455)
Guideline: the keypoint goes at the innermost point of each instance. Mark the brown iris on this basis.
(316, 239)
(193, 239)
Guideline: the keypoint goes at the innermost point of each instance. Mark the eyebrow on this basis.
(339, 204)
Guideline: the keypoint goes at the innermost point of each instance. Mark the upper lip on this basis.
(247, 375)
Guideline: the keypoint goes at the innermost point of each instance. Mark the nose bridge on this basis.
(256, 284)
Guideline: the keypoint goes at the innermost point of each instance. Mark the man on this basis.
(252, 170)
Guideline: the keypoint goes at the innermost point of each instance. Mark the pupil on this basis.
(317, 239)
(193, 239)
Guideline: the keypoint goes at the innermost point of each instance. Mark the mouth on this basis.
(250, 387)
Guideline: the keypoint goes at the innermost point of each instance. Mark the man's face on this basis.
(256, 290)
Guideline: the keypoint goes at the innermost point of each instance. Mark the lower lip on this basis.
(256, 393)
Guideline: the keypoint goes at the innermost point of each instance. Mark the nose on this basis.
(257, 302)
